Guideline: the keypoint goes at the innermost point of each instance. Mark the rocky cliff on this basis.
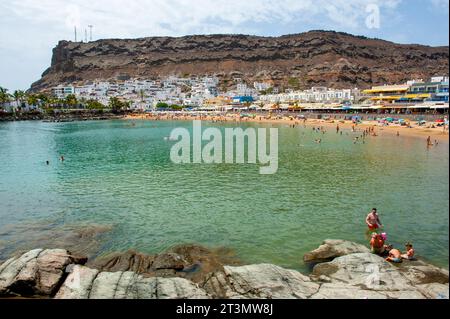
(295, 61)
(344, 270)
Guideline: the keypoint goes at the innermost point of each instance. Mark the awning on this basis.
(423, 106)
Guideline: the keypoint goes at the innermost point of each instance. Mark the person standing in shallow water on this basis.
(373, 220)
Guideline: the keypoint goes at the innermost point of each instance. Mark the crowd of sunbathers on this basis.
(378, 242)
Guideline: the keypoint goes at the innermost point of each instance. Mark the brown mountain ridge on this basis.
(295, 61)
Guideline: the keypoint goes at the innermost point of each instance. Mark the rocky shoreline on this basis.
(340, 270)
(60, 117)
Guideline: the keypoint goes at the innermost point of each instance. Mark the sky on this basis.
(30, 29)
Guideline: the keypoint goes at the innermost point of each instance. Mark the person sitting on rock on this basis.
(377, 244)
(409, 252)
(387, 249)
(395, 256)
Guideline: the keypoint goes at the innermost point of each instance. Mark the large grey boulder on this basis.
(408, 280)
(332, 248)
(86, 283)
(38, 272)
(420, 272)
(78, 284)
(261, 281)
(434, 290)
(371, 274)
(12, 267)
(345, 291)
(364, 270)
(169, 288)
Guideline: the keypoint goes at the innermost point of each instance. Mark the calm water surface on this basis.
(120, 177)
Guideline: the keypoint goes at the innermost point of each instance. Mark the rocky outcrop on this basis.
(367, 275)
(294, 61)
(68, 116)
(366, 271)
(192, 262)
(86, 283)
(37, 272)
(332, 248)
(351, 275)
(263, 281)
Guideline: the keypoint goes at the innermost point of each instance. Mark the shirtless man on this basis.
(395, 256)
(373, 221)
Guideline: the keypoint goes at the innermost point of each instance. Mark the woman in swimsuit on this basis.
(377, 244)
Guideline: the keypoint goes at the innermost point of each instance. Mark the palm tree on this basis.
(18, 97)
(4, 96)
(32, 99)
(71, 101)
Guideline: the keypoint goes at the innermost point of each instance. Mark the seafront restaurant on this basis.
(417, 97)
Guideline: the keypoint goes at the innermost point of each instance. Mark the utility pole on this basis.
(90, 31)
(85, 36)
(75, 28)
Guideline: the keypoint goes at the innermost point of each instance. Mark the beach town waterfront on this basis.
(117, 180)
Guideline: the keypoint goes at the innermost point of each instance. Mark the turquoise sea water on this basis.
(120, 176)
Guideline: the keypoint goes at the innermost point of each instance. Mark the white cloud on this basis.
(32, 27)
(135, 18)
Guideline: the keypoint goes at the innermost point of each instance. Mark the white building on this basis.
(261, 86)
(315, 94)
(62, 91)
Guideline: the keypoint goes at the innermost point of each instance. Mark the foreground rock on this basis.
(351, 275)
(332, 248)
(367, 272)
(192, 262)
(37, 272)
(365, 275)
(263, 281)
(86, 283)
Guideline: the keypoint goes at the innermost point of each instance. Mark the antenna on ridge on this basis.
(75, 28)
(85, 35)
(90, 31)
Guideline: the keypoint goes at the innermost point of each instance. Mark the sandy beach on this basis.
(436, 133)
